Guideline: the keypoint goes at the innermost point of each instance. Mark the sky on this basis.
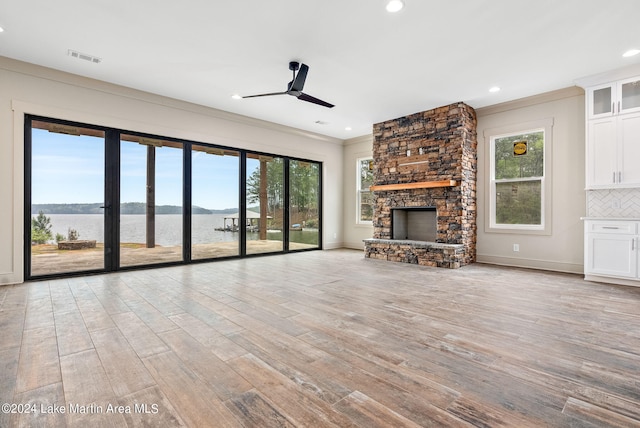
(70, 169)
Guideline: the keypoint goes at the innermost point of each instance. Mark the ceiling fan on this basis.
(294, 87)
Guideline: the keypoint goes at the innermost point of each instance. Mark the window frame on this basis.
(360, 191)
(491, 135)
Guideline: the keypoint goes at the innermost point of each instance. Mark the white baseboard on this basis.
(531, 263)
(610, 280)
(357, 245)
(332, 245)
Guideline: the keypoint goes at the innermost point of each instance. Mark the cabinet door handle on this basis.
(618, 107)
(614, 176)
(613, 109)
(619, 176)
(610, 227)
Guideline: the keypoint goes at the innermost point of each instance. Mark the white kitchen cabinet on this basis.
(613, 134)
(613, 151)
(611, 250)
(602, 153)
(612, 255)
(612, 162)
(628, 128)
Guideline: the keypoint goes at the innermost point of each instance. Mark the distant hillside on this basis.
(67, 208)
(125, 208)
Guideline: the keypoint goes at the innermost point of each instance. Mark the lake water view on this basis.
(168, 229)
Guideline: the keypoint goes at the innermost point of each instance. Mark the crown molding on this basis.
(368, 138)
(609, 76)
(572, 91)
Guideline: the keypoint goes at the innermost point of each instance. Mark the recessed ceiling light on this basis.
(631, 52)
(236, 97)
(494, 89)
(348, 128)
(395, 6)
(1, 29)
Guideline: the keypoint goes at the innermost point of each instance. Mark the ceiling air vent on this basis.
(80, 55)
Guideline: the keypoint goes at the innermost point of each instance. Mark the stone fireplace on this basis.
(425, 188)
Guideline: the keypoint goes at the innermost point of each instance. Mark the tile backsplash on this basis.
(622, 203)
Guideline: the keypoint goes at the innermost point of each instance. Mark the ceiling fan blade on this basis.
(298, 82)
(294, 87)
(309, 98)
(265, 95)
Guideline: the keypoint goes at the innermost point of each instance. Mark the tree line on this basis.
(304, 187)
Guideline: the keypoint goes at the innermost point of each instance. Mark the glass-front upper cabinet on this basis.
(614, 98)
(601, 100)
(629, 90)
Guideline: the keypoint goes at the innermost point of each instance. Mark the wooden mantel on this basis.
(416, 185)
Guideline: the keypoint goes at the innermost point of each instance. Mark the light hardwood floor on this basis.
(323, 338)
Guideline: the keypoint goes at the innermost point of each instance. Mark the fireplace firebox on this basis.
(414, 223)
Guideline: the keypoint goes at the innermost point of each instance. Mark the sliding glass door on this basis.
(151, 214)
(304, 205)
(215, 227)
(100, 199)
(67, 209)
(265, 204)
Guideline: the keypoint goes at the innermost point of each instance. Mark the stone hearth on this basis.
(426, 159)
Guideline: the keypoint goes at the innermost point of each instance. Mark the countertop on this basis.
(611, 218)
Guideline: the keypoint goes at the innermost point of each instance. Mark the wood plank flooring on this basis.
(320, 339)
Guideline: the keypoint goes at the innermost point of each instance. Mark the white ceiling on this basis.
(373, 65)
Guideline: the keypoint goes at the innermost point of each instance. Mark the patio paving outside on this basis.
(47, 259)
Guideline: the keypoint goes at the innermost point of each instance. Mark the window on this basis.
(364, 210)
(519, 174)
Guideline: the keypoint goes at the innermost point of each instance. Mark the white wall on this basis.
(562, 250)
(354, 149)
(25, 88)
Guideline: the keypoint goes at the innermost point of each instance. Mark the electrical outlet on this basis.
(516, 247)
